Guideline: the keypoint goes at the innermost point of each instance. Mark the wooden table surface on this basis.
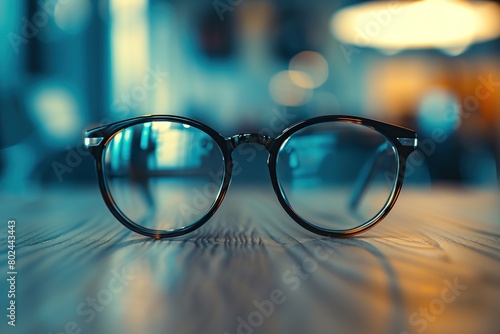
(432, 266)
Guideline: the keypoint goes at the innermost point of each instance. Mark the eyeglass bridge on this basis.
(250, 138)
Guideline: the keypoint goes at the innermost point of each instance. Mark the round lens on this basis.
(337, 176)
(163, 175)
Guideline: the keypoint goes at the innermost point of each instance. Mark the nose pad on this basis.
(248, 138)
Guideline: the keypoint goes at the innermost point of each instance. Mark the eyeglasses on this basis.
(165, 176)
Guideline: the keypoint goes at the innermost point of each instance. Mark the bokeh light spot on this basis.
(286, 92)
(72, 16)
(313, 64)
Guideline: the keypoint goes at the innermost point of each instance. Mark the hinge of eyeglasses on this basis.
(408, 141)
(93, 142)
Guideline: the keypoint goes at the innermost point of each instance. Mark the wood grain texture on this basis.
(70, 249)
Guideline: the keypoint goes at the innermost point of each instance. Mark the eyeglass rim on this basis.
(390, 131)
(102, 135)
(107, 133)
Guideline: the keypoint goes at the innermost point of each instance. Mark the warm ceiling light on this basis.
(451, 26)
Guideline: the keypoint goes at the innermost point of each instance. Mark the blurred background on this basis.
(248, 65)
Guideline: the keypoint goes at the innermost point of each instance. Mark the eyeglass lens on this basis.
(337, 175)
(163, 175)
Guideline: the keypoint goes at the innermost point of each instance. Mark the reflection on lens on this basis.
(163, 175)
(338, 175)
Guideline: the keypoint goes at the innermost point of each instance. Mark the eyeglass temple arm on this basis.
(366, 175)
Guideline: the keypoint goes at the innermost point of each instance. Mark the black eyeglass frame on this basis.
(97, 139)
